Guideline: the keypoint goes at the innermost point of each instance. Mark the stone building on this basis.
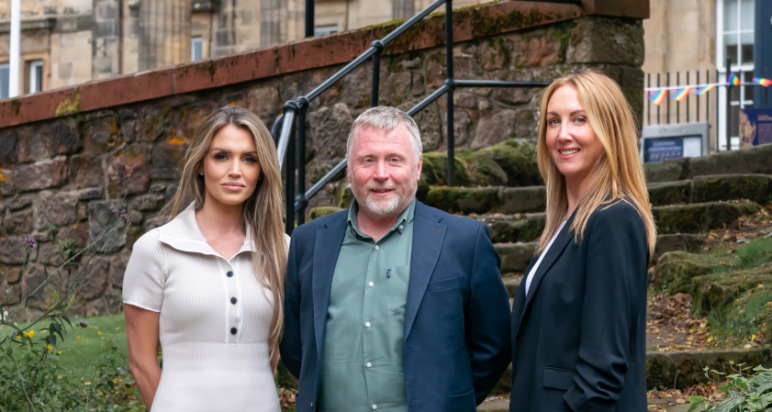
(698, 36)
(70, 42)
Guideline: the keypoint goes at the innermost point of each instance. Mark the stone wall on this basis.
(61, 176)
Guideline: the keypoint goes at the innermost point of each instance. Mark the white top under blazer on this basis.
(215, 320)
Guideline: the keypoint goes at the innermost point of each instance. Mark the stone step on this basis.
(745, 161)
(511, 200)
(680, 369)
(690, 219)
(502, 405)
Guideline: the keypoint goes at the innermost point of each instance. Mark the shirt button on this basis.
(375, 407)
(371, 284)
(233, 331)
(377, 247)
(401, 227)
(369, 365)
(230, 274)
(233, 300)
(367, 325)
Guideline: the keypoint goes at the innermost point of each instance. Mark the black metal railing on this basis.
(289, 129)
(698, 108)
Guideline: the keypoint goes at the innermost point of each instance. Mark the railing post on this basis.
(728, 104)
(289, 192)
(301, 150)
(376, 72)
(310, 11)
(449, 83)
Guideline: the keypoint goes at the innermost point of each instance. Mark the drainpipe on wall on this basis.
(310, 25)
(15, 52)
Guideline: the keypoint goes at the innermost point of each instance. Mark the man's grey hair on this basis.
(387, 119)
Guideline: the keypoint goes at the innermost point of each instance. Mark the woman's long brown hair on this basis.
(263, 212)
(618, 174)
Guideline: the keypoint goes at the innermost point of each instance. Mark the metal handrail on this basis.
(296, 111)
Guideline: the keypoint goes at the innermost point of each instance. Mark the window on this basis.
(196, 49)
(402, 9)
(35, 81)
(734, 40)
(325, 30)
(5, 80)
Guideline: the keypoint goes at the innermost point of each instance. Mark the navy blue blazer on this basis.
(579, 337)
(457, 328)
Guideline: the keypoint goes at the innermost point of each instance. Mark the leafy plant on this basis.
(746, 392)
(67, 248)
(30, 376)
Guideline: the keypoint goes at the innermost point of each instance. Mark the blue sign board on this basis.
(667, 148)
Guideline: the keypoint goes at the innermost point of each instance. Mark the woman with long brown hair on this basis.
(579, 317)
(207, 286)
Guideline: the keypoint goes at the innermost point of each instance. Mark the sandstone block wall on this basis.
(61, 178)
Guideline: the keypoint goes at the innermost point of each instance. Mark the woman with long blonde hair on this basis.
(208, 285)
(579, 317)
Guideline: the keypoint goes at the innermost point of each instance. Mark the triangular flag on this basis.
(683, 94)
(659, 97)
(762, 81)
(734, 80)
(705, 89)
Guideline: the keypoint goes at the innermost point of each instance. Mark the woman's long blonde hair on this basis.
(618, 174)
(263, 212)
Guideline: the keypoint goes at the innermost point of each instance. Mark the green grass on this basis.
(83, 348)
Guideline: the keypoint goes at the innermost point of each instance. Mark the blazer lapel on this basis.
(428, 235)
(552, 255)
(326, 250)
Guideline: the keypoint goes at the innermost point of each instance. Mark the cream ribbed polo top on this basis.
(215, 320)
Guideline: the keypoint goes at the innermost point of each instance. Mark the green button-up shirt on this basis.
(362, 367)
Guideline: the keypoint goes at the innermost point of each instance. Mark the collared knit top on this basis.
(215, 320)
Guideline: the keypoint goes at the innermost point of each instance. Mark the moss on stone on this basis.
(675, 270)
(15, 106)
(527, 229)
(562, 33)
(69, 107)
(435, 170)
(465, 200)
(751, 187)
(517, 160)
(322, 211)
(715, 292)
(699, 217)
(346, 197)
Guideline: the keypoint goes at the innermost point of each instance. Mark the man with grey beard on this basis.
(393, 305)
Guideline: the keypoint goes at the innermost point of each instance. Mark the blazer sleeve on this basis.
(487, 318)
(616, 257)
(290, 347)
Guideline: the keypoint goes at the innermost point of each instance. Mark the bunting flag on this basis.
(659, 97)
(706, 89)
(762, 81)
(683, 94)
(734, 80)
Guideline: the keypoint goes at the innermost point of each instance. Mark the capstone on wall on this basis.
(60, 179)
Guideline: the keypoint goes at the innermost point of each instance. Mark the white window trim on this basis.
(740, 69)
(6, 66)
(326, 29)
(33, 86)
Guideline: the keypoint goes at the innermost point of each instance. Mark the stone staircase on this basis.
(500, 186)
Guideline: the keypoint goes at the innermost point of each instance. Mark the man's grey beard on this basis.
(403, 196)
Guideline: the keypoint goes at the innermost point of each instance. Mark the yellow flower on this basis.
(77, 337)
(50, 348)
(103, 338)
(59, 376)
(91, 327)
(59, 353)
(30, 334)
(99, 333)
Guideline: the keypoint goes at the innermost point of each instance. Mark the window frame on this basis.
(737, 67)
(193, 41)
(7, 66)
(326, 29)
(32, 79)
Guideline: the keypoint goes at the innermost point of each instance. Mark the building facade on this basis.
(695, 38)
(70, 42)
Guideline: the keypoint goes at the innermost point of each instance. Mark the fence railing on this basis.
(289, 130)
(719, 107)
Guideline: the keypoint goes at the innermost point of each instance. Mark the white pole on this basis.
(14, 64)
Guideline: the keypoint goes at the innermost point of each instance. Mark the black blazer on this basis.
(578, 338)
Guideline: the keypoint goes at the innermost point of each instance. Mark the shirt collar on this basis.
(405, 218)
(183, 234)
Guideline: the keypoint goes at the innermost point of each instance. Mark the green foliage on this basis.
(67, 248)
(31, 376)
(747, 392)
